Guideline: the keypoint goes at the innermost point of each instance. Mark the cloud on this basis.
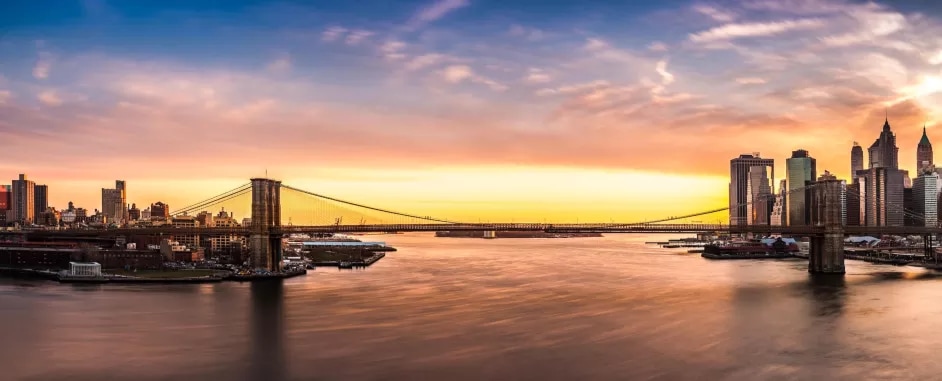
(733, 31)
(595, 44)
(536, 75)
(529, 34)
(425, 60)
(356, 36)
(49, 98)
(333, 33)
(280, 65)
(392, 50)
(460, 73)
(871, 25)
(43, 65)
(666, 77)
(714, 13)
(5, 95)
(436, 11)
(750, 81)
(457, 73)
(657, 46)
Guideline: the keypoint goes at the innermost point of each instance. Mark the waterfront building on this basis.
(923, 152)
(856, 159)
(24, 210)
(184, 221)
(114, 202)
(87, 269)
(800, 171)
(40, 199)
(760, 196)
(739, 197)
(926, 197)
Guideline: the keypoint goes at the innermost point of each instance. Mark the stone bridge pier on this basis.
(827, 248)
(265, 234)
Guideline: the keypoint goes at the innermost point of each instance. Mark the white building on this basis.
(925, 198)
(89, 269)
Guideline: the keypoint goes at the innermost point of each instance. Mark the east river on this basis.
(451, 309)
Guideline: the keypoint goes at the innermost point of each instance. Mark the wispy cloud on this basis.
(734, 31)
(715, 13)
(536, 75)
(529, 34)
(750, 81)
(333, 33)
(49, 97)
(43, 65)
(280, 65)
(657, 46)
(392, 50)
(436, 11)
(460, 73)
(357, 36)
(5, 95)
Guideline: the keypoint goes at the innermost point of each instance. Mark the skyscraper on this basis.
(24, 208)
(739, 182)
(884, 196)
(40, 199)
(800, 170)
(114, 202)
(925, 197)
(6, 201)
(856, 160)
(884, 191)
(883, 152)
(923, 152)
(760, 194)
(778, 214)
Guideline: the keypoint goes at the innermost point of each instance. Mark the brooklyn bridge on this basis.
(265, 228)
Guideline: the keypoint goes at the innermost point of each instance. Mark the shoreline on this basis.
(41, 274)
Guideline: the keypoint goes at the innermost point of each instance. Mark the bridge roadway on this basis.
(549, 228)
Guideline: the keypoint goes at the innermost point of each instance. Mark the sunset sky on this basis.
(461, 109)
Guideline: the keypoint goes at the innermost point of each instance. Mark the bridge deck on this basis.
(551, 228)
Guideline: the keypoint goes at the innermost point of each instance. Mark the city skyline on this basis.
(459, 108)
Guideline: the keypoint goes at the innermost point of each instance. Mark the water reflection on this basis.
(267, 354)
(439, 309)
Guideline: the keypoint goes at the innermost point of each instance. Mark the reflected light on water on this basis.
(467, 309)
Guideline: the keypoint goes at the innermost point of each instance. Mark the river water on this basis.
(451, 309)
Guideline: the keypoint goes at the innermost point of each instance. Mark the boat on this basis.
(750, 249)
(345, 265)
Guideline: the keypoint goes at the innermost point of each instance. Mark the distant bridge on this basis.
(266, 228)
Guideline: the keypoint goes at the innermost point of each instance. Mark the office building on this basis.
(760, 195)
(160, 211)
(134, 214)
(739, 197)
(909, 206)
(883, 152)
(923, 152)
(926, 197)
(24, 205)
(852, 203)
(800, 171)
(856, 159)
(778, 214)
(883, 193)
(114, 202)
(6, 202)
(40, 199)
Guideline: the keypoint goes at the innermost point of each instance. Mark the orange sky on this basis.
(622, 121)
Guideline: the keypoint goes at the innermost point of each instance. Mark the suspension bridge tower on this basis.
(265, 237)
(827, 248)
